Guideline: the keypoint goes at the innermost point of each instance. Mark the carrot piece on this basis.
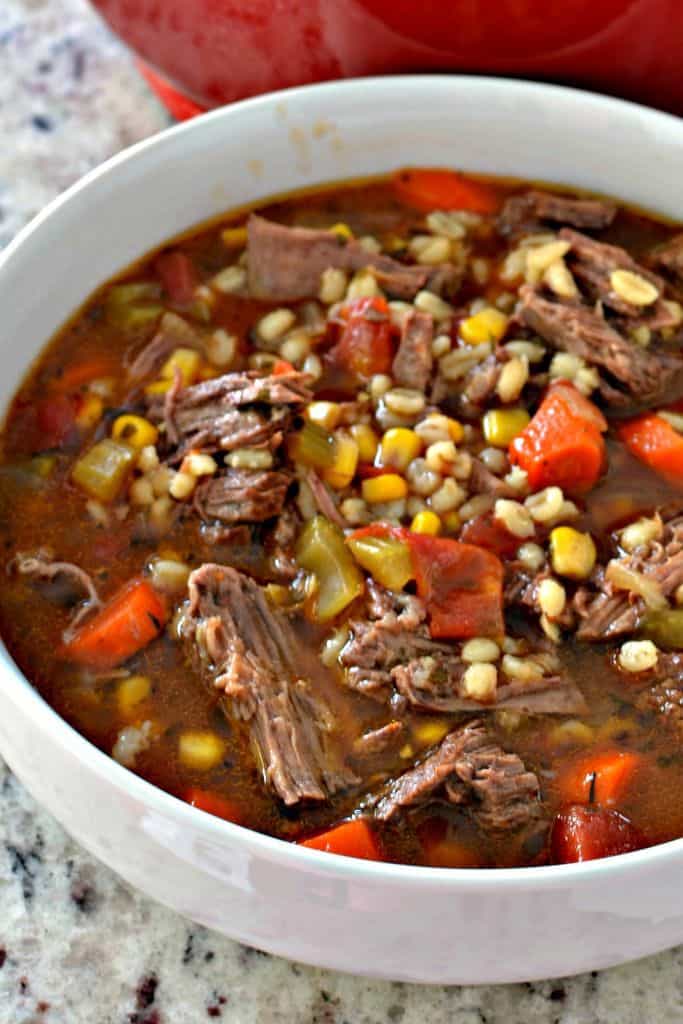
(449, 853)
(655, 442)
(598, 778)
(78, 374)
(131, 620)
(444, 190)
(562, 445)
(214, 803)
(281, 367)
(177, 275)
(462, 586)
(350, 839)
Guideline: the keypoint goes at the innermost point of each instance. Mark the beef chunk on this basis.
(324, 500)
(480, 382)
(63, 582)
(251, 654)
(237, 410)
(286, 263)
(469, 768)
(644, 374)
(534, 210)
(242, 495)
(606, 612)
(483, 481)
(665, 697)
(669, 259)
(378, 741)
(413, 361)
(174, 332)
(593, 263)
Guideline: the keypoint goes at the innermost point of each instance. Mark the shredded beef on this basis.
(665, 697)
(211, 416)
(413, 361)
(483, 481)
(324, 500)
(41, 566)
(645, 374)
(606, 613)
(480, 382)
(469, 768)
(593, 263)
(286, 263)
(242, 495)
(378, 741)
(282, 539)
(531, 211)
(669, 258)
(251, 653)
(173, 332)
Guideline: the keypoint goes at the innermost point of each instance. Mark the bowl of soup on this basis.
(341, 524)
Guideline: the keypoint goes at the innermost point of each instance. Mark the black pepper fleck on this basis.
(42, 123)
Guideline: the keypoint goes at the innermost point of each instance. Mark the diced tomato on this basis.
(365, 346)
(214, 803)
(587, 833)
(486, 532)
(429, 190)
(563, 443)
(366, 470)
(130, 621)
(177, 275)
(56, 419)
(654, 441)
(600, 778)
(350, 839)
(462, 586)
(281, 367)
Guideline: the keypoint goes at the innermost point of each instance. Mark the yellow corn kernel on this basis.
(572, 733)
(208, 372)
(387, 487)
(158, 387)
(325, 414)
(501, 426)
(200, 749)
(426, 522)
(90, 412)
(429, 731)
(572, 553)
(456, 430)
(342, 230)
(398, 447)
(367, 441)
(488, 325)
(187, 360)
(234, 238)
(101, 471)
(131, 692)
(406, 751)
(135, 431)
(340, 474)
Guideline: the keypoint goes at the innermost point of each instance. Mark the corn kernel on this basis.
(325, 414)
(452, 521)
(187, 360)
(182, 486)
(132, 691)
(158, 387)
(340, 474)
(399, 447)
(90, 412)
(387, 487)
(572, 553)
(501, 426)
(199, 464)
(429, 732)
(200, 749)
(341, 230)
(487, 325)
(275, 324)
(135, 431)
(367, 441)
(141, 492)
(235, 237)
(426, 522)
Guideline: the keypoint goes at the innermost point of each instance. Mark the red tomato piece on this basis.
(587, 833)
(177, 275)
(56, 419)
(365, 346)
(486, 532)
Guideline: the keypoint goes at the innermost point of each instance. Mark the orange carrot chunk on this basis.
(131, 620)
(655, 442)
(563, 444)
(214, 803)
(350, 839)
(444, 190)
(598, 778)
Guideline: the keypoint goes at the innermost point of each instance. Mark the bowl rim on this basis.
(153, 798)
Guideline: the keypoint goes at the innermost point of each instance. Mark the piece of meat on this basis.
(282, 539)
(413, 361)
(606, 613)
(669, 258)
(378, 741)
(286, 263)
(665, 697)
(42, 567)
(593, 263)
(483, 481)
(469, 768)
(645, 374)
(324, 500)
(251, 653)
(530, 212)
(480, 382)
(211, 416)
(242, 495)
(173, 332)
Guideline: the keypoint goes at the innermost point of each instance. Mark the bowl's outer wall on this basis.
(402, 923)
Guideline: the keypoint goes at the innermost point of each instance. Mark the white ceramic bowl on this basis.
(415, 924)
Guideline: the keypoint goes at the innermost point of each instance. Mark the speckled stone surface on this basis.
(77, 946)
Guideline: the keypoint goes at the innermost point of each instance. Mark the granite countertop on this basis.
(77, 946)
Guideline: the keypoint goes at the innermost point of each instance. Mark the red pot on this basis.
(215, 51)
